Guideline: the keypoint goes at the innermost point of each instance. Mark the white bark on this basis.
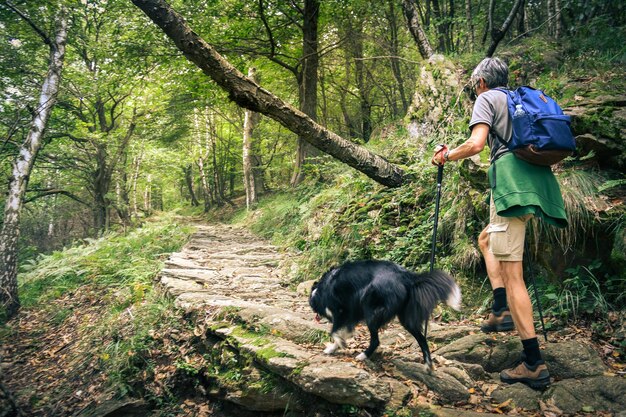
(22, 167)
(250, 121)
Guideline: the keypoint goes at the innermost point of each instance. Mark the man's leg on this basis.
(499, 319)
(491, 263)
(518, 298)
(532, 370)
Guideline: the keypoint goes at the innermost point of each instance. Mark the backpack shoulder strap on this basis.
(510, 96)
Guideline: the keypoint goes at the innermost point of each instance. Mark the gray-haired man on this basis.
(502, 241)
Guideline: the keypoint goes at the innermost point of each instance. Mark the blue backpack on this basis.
(541, 132)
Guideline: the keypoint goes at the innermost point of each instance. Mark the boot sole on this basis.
(539, 383)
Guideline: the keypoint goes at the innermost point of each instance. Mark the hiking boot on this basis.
(536, 376)
(501, 321)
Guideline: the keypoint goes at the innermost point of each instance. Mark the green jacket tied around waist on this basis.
(520, 188)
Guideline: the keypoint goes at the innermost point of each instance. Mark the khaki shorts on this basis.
(506, 235)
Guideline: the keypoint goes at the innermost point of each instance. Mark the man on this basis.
(519, 190)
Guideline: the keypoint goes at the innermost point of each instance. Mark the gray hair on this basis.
(494, 71)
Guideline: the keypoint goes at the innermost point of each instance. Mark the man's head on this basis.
(493, 71)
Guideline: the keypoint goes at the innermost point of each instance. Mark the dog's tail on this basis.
(431, 288)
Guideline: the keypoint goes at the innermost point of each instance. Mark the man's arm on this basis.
(475, 144)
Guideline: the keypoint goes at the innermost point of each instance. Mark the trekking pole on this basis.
(437, 199)
(434, 242)
(534, 283)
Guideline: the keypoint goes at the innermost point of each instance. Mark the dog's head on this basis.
(317, 299)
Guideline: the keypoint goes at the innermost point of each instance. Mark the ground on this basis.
(54, 366)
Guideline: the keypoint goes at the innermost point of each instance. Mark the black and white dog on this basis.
(376, 292)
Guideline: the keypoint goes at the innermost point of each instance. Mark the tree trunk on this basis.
(354, 36)
(200, 161)
(521, 23)
(490, 12)
(136, 170)
(550, 8)
(470, 23)
(189, 183)
(558, 27)
(251, 119)
(307, 83)
(410, 12)
(250, 95)
(498, 34)
(147, 196)
(100, 183)
(22, 167)
(395, 62)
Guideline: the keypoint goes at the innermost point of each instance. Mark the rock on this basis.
(520, 394)
(450, 383)
(332, 379)
(493, 353)
(400, 393)
(126, 407)
(436, 98)
(447, 334)
(304, 288)
(572, 359)
(599, 125)
(600, 393)
(342, 383)
(260, 395)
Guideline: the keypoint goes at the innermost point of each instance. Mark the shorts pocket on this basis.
(499, 239)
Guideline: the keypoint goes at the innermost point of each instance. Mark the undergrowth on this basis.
(107, 286)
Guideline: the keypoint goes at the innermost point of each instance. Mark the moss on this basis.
(297, 371)
(228, 313)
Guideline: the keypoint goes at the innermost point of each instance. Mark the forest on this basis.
(126, 126)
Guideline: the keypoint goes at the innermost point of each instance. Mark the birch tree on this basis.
(25, 160)
(250, 122)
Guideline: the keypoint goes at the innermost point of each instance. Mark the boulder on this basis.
(572, 359)
(493, 353)
(450, 383)
(600, 393)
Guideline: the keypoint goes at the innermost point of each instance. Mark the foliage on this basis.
(114, 261)
(583, 294)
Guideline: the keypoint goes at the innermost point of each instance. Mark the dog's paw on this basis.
(330, 349)
(430, 368)
(361, 357)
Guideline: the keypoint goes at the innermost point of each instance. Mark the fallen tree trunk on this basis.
(251, 96)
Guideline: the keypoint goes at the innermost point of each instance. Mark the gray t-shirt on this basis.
(491, 108)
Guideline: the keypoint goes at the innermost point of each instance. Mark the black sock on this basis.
(531, 350)
(499, 299)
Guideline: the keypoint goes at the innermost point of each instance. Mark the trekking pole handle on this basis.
(440, 149)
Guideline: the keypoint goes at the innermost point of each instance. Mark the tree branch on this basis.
(498, 34)
(39, 32)
(51, 191)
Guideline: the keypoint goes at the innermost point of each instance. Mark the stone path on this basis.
(232, 282)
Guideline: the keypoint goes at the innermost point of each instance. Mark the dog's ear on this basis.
(330, 273)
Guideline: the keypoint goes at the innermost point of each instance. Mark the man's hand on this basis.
(438, 157)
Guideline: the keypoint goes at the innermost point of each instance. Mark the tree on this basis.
(498, 34)
(250, 95)
(250, 158)
(307, 82)
(419, 36)
(25, 160)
